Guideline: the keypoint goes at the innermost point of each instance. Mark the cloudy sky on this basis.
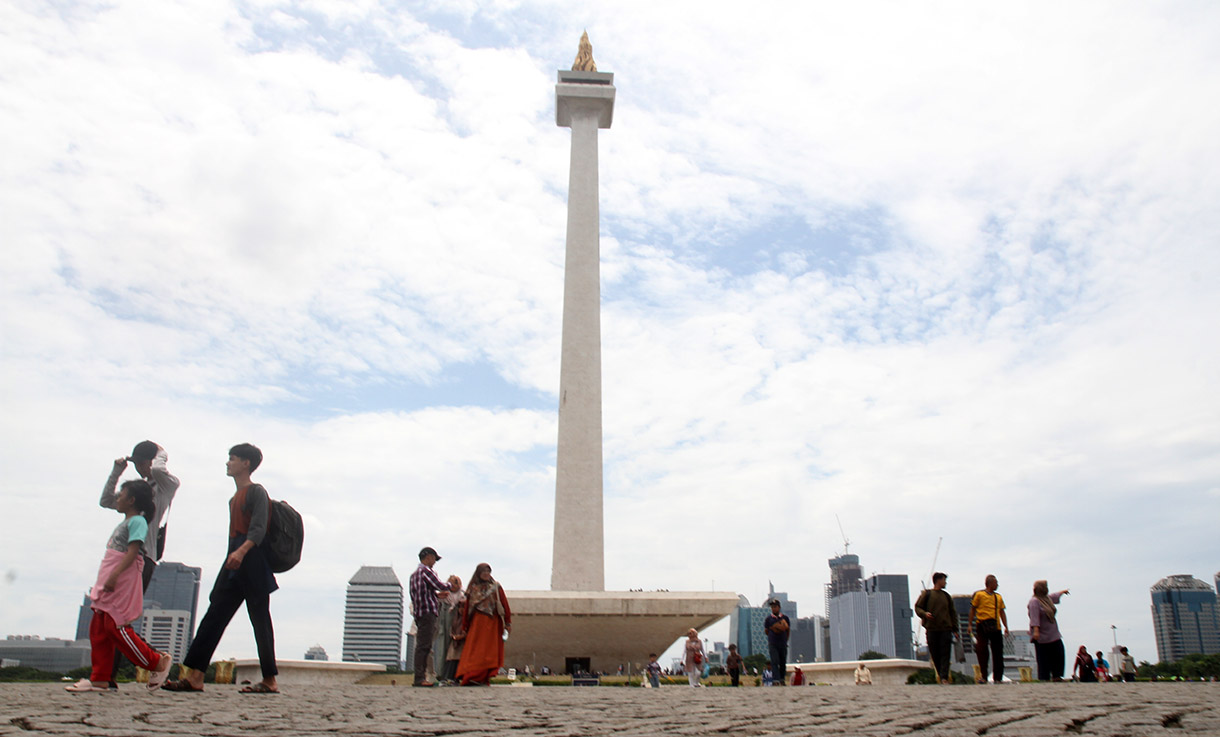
(942, 270)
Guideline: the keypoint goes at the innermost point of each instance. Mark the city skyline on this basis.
(889, 269)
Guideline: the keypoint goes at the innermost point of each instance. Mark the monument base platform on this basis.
(307, 672)
(601, 630)
(887, 672)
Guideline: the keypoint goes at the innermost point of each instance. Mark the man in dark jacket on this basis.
(939, 617)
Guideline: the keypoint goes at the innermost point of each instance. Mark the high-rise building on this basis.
(786, 605)
(845, 575)
(1185, 617)
(317, 652)
(746, 628)
(373, 617)
(806, 644)
(167, 630)
(83, 618)
(859, 622)
(900, 596)
(174, 588)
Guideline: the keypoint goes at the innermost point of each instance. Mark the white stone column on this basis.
(584, 103)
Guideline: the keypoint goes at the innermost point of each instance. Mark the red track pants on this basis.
(105, 636)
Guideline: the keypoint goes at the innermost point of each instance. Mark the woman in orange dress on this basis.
(487, 619)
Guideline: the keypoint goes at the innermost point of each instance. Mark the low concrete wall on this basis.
(309, 672)
(888, 672)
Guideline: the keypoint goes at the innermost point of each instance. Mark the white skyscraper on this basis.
(373, 617)
(860, 622)
(168, 630)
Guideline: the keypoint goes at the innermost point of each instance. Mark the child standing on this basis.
(118, 596)
(654, 671)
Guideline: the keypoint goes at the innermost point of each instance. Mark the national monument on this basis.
(578, 624)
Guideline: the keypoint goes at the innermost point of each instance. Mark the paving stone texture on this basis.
(1030, 709)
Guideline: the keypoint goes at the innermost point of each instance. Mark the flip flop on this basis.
(157, 678)
(182, 686)
(84, 685)
(259, 687)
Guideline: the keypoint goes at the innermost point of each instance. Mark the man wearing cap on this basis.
(425, 606)
(777, 626)
(151, 462)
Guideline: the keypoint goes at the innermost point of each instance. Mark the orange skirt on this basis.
(483, 655)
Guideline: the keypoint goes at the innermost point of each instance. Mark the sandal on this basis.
(157, 678)
(181, 685)
(84, 685)
(259, 687)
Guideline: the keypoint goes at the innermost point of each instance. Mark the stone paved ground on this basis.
(1030, 709)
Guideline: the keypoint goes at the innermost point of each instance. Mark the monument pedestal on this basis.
(602, 630)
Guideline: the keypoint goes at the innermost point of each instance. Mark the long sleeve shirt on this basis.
(164, 484)
(424, 585)
(939, 604)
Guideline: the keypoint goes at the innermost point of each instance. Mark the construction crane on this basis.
(934, 557)
(846, 542)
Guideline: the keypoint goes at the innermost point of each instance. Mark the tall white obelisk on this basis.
(584, 103)
(577, 624)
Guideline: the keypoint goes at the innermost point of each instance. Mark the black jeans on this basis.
(1050, 659)
(425, 633)
(940, 646)
(735, 676)
(779, 663)
(993, 641)
(225, 600)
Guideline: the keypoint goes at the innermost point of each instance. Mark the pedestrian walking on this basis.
(694, 657)
(936, 613)
(1044, 632)
(426, 591)
(245, 577)
(117, 598)
(986, 617)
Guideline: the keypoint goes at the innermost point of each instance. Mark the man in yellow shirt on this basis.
(987, 608)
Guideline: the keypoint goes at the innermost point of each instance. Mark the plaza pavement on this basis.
(1168, 709)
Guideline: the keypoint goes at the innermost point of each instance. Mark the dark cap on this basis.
(145, 450)
(428, 551)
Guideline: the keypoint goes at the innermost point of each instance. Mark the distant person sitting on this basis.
(864, 677)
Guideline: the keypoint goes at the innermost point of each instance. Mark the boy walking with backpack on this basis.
(245, 577)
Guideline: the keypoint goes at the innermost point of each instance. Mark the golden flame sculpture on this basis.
(584, 56)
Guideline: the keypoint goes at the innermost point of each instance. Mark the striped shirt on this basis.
(424, 585)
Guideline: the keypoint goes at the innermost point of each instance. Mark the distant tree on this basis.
(27, 674)
(872, 655)
(755, 662)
